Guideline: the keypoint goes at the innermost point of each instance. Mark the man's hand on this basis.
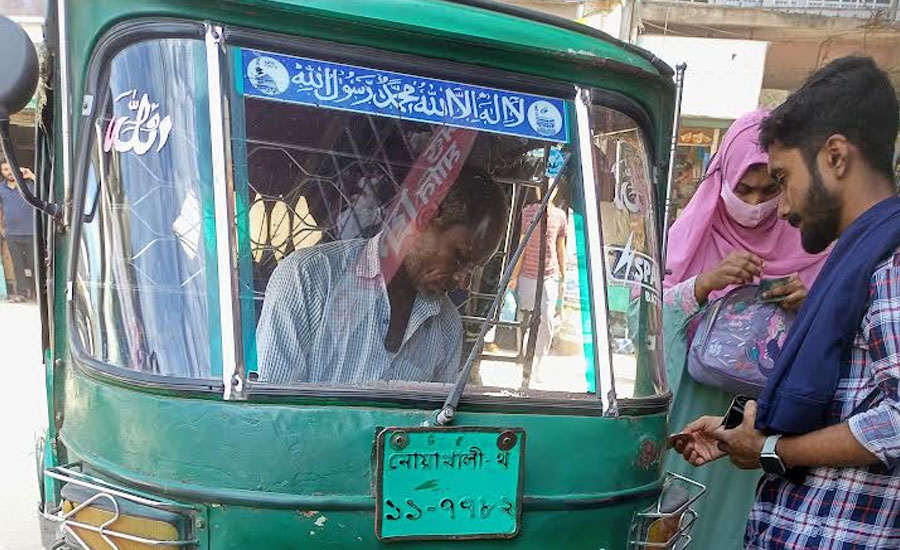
(737, 269)
(701, 447)
(27, 174)
(744, 443)
(794, 292)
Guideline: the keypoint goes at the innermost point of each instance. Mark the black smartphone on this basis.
(766, 285)
(735, 414)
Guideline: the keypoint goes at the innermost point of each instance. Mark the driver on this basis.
(331, 316)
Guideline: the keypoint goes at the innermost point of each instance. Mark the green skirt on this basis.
(730, 492)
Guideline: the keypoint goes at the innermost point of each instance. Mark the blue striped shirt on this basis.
(326, 315)
(853, 508)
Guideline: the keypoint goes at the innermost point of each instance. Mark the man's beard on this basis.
(823, 215)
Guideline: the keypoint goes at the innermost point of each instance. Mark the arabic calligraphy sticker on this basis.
(268, 75)
(142, 126)
(366, 90)
(628, 197)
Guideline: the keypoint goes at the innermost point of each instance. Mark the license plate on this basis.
(448, 483)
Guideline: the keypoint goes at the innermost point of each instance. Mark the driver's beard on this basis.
(823, 212)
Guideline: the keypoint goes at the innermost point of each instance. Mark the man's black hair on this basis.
(474, 197)
(849, 96)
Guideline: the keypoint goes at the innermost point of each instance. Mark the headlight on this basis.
(94, 524)
(94, 516)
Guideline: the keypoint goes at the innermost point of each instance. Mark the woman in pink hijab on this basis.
(728, 235)
(730, 232)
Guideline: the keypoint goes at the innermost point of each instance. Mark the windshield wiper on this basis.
(445, 415)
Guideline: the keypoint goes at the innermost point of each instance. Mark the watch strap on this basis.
(768, 458)
(769, 445)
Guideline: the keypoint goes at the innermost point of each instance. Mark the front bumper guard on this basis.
(111, 499)
(666, 525)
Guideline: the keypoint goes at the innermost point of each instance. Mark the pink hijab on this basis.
(705, 234)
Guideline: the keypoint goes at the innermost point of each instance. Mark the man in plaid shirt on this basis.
(836, 487)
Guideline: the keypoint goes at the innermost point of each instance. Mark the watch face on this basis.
(771, 464)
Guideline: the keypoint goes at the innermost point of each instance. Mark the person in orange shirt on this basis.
(526, 275)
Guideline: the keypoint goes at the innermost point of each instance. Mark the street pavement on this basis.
(22, 420)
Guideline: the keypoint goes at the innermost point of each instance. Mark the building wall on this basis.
(791, 62)
(614, 17)
(800, 41)
(17, 8)
(723, 77)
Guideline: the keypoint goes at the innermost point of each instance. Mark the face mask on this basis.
(748, 215)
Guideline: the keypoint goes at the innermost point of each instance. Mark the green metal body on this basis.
(297, 472)
(269, 472)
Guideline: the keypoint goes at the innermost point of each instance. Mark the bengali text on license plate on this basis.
(443, 483)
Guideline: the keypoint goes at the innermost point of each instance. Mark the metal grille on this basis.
(677, 513)
(112, 500)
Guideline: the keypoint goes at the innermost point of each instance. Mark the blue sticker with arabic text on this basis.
(371, 91)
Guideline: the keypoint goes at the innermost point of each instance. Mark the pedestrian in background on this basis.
(526, 274)
(18, 232)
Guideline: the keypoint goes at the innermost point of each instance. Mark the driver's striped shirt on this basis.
(326, 314)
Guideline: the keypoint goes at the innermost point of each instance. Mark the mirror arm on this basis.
(6, 146)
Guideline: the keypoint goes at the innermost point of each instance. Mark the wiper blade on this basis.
(445, 415)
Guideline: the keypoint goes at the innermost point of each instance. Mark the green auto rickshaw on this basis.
(236, 198)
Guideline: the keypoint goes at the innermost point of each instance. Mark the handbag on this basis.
(736, 342)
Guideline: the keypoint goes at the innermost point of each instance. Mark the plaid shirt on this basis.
(848, 508)
(326, 315)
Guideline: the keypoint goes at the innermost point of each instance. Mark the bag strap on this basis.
(867, 402)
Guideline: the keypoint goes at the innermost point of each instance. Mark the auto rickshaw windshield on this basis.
(375, 212)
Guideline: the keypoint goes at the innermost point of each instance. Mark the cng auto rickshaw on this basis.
(187, 149)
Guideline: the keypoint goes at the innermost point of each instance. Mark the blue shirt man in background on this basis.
(18, 231)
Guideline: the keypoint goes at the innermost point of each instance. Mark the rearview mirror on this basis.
(19, 72)
(18, 67)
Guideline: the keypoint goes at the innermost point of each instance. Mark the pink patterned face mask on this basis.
(748, 215)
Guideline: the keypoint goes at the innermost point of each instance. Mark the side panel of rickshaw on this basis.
(289, 471)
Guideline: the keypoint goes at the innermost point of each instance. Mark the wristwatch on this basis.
(769, 460)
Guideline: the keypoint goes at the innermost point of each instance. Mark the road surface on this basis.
(22, 420)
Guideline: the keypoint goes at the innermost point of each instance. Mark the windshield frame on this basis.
(456, 72)
(139, 30)
(633, 110)
(111, 44)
